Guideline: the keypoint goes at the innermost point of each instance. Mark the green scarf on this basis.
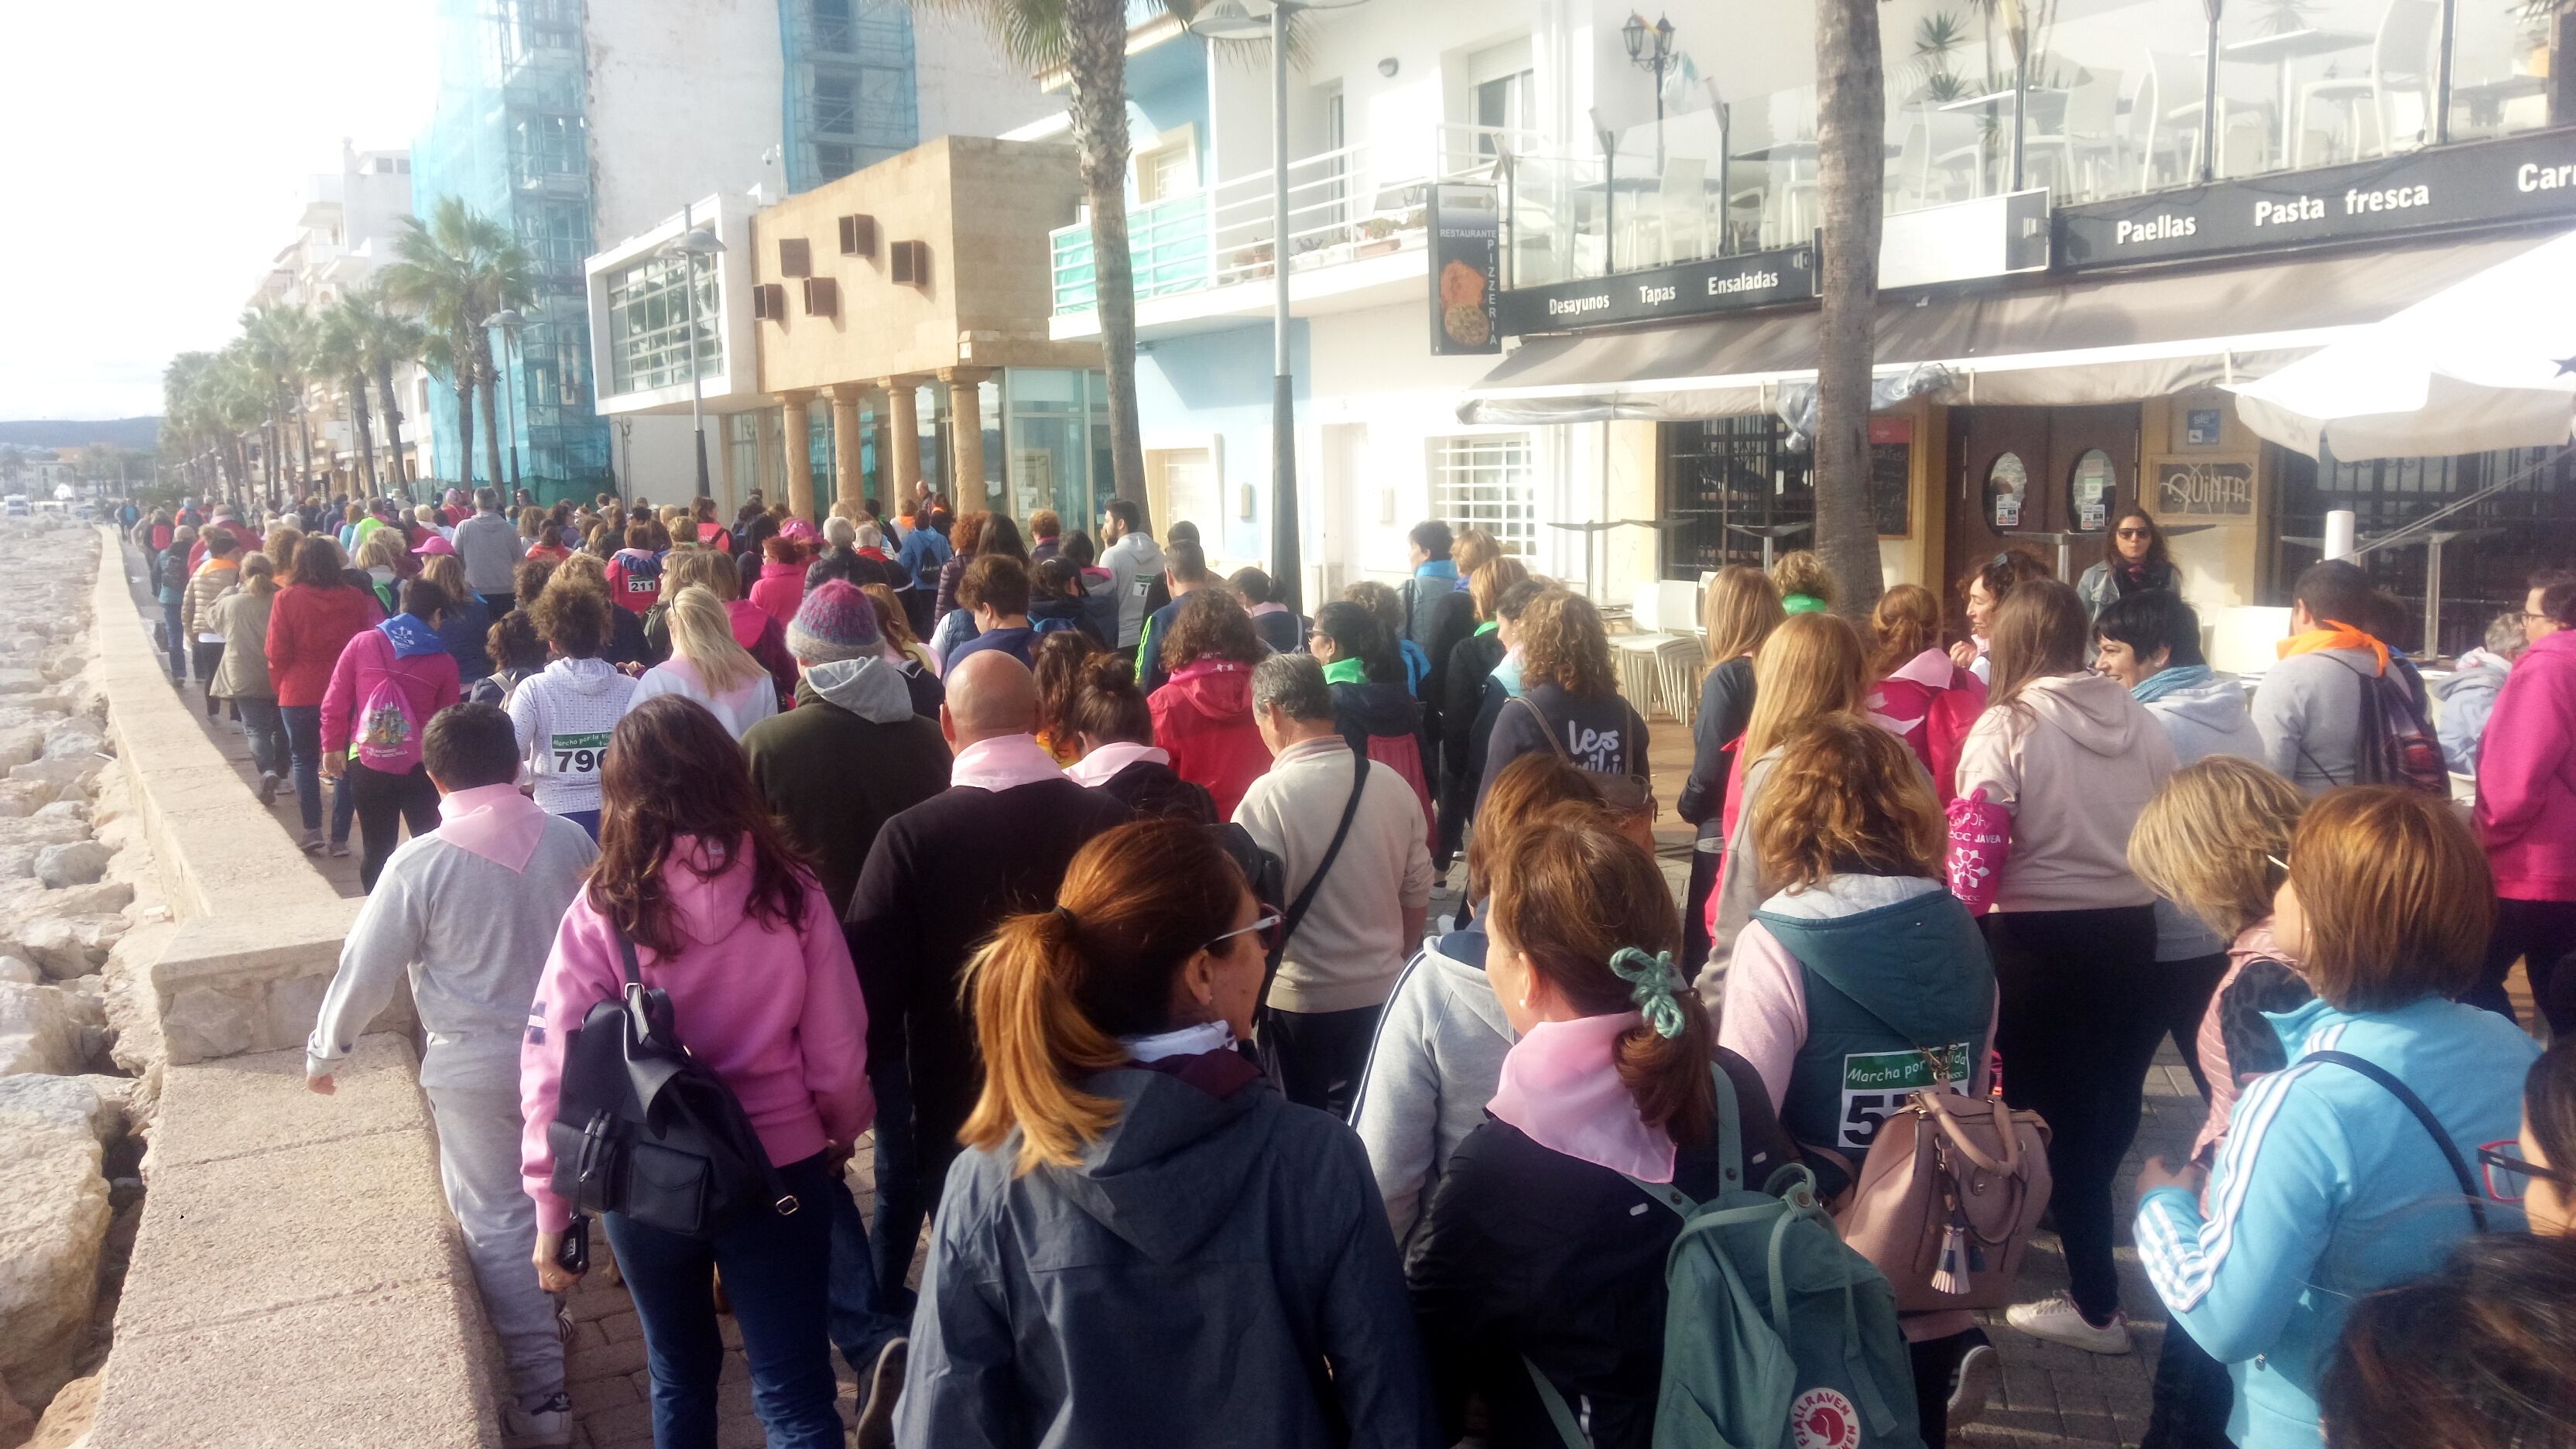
(1346, 671)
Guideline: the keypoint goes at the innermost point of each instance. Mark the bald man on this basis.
(939, 879)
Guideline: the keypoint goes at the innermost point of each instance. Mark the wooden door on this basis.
(2026, 477)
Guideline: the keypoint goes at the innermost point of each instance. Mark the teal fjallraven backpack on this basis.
(1776, 1335)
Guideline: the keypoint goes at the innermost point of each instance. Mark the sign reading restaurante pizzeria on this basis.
(1466, 258)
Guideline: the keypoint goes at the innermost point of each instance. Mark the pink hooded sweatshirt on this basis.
(2527, 775)
(776, 1011)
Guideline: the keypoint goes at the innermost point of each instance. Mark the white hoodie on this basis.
(2075, 759)
(564, 715)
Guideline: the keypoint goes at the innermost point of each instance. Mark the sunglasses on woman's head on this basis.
(1268, 926)
(2508, 1172)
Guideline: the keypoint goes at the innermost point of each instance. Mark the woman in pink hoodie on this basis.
(2527, 810)
(2051, 781)
(389, 682)
(782, 578)
(727, 921)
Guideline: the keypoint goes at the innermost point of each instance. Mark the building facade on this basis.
(573, 122)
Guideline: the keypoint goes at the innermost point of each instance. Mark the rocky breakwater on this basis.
(77, 1062)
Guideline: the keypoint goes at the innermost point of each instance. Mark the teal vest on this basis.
(1879, 985)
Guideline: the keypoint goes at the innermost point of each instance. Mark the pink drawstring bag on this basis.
(1980, 843)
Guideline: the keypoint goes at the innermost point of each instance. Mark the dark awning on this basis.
(2108, 338)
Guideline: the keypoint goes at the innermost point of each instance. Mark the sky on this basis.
(153, 160)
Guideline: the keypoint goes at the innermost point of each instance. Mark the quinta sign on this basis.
(2514, 178)
(2204, 490)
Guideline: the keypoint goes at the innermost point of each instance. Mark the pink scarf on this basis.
(495, 822)
(1100, 765)
(1003, 762)
(1561, 1088)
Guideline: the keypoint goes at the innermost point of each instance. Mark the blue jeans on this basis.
(900, 1208)
(304, 748)
(860, 1324)
(176, 643)
(269, 751)
(774, 1272)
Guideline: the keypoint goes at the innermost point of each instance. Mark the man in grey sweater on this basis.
(489, 547)
(469, 912)
(1343, 957)
(2308, 707)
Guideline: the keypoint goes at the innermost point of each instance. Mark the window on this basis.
(1730, 471)
(649, 323)
(832, 28)
(858, 236)
(835, 161)
(1170, 169)
(912, 264)
(1504, 95)
(542, 146)
(1487, 482)
(836, 105)
(1181, 483)
(822, 297)
(795, 257)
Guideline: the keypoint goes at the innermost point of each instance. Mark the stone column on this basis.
(795, 446)
(848, 486)
(904, 418)
(966, 433)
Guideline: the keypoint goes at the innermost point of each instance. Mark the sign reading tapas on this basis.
(1720, 284)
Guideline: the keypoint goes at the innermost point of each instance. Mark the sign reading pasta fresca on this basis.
(1466, 257)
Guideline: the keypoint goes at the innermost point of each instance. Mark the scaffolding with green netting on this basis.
(849, 99)
(509, 138)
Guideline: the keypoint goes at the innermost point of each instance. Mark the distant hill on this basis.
(143, 433)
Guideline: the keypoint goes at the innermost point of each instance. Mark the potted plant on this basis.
(1377, 237)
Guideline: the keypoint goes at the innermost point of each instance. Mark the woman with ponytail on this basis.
(1112, 732)
(1540, 1245)
(1144, 1243)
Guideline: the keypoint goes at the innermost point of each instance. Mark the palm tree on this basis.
(459, 267)
(270, 344)
(388, 340)
(339, 354)
(1088, 39)
(1851, 167)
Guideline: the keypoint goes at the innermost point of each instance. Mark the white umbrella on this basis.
(2488, 363)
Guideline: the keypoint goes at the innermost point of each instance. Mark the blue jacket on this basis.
(922, 553)
(2327, 1188)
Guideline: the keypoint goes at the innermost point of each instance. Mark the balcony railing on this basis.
(1343, 206)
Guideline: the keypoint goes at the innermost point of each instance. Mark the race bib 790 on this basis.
(579, 754)
(1876, 1084)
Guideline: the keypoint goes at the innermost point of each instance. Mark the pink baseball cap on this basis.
(434, 544)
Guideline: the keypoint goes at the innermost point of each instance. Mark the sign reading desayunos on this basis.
(2513, 178)
(1466, 260)
(2204, 490)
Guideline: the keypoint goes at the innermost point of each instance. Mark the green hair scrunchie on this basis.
(1654, 983)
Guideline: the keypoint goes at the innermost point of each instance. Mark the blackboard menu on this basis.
(1891, 476)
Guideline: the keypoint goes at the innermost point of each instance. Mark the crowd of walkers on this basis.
(1100, 888)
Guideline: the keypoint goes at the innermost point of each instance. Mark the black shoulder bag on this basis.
(2432, 1126)
(644, 1129)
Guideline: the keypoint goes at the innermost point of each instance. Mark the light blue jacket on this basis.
(2327, 1188)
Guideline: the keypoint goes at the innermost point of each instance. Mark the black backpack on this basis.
(2394, 743)
(644, 1129)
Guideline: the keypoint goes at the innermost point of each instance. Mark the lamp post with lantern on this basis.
(1650, 49)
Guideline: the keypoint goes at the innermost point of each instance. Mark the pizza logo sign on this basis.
(1824, 1419)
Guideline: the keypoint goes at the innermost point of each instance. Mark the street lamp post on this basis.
(1650, 49)
(509, 321)
(694, 242)
(1244, 20)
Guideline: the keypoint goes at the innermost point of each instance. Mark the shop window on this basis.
(1727, 475)
(1487, 482)
(2090, 491)
(1181, 483)
(2007, 489)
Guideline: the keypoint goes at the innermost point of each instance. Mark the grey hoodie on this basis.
(872, 689)
(1132, 561)
(1436, 1061)
(2308, 709)
(1188, 1282)
(2075, 759)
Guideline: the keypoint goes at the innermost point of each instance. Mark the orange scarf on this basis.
(2334, 636)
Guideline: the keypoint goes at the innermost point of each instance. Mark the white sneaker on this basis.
(1974, 1383)
(547, 1426)
(2057, 1319)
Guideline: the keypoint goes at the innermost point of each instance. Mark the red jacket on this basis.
(1203, 718)
(2527, 775)
(307, 629)
(780, 590)
(634, 580)
(428, 683)
(715, 536)
(1930, 703)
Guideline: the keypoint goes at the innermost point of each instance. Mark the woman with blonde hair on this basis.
(1741, 610)
(1921, 694)
(1806, 585)
(708, 666)
(1862, 955)
(1811, 666)
(2349, 1169)
(1119, 1129)
(2051, 782)
(380, 558)
(2208, 843)
(1540, 1268)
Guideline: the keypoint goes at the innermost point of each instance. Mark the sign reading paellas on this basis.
(2510, 179)
(1692, 289)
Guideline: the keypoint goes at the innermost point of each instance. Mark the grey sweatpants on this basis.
(478, 1163)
